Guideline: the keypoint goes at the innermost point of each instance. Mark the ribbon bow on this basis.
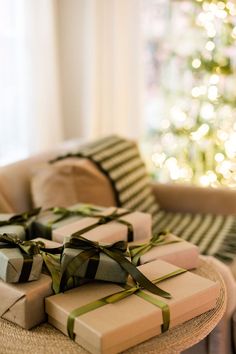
(27, 248)
(116, 251)
(159, 239)
(84, 210)
(104, 219)
(20, 219)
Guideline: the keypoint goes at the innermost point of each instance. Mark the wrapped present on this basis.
(98, 266)
(86, 259)
(18, 224)
(23, 303)
(20, 261)
(111, 225)
(167, 247)
(51, 219)
(107, 318)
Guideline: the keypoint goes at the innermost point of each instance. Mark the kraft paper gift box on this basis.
(18, 224)
(18, 230)
(23, 303)
(47, 243)
(167, 247)
(112, 231)
(50, 220)
(16, 265)
(114, 327)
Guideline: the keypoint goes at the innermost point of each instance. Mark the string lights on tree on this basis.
(196, 139)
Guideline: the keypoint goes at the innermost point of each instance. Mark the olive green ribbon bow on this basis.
(129, 290)
(28, 250)
(104, 219)
(159, 239)
(116, 251)
(22, 220)
(64, 213)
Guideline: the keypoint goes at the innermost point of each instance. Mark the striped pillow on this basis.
(119, 159)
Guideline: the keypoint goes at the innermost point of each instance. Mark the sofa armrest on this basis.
(185, 198)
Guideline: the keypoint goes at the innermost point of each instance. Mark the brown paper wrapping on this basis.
(23, 303)
(110, 232)
(182, 254)
(116, 327)
(48, 243)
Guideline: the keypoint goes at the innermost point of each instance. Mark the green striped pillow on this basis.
(120, 160)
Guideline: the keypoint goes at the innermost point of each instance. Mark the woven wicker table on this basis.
(45, 339)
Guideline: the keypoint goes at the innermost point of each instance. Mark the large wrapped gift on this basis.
(23, 303)
(167, 247)
(20, 261)
(51, 219)
(105, 318)
(18, 224)
(110, 225)
(86, 259)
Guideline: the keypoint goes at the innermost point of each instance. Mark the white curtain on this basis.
(30, 97)
(68, 69)
(100, 45)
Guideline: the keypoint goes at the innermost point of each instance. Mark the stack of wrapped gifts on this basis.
(98, 275)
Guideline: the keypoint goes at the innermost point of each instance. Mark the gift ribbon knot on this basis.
(28, 250)
(83, 210)
(129, 290)
(159, 239)
(104, 219)
(116, 251)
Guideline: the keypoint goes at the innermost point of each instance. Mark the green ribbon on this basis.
(22, 220)
(104, 219)
(52, 262)
(159, 239)
(64, 213)
(87, 210)
(28, 250)
(129, 290)
(13, 241)
(116, 251)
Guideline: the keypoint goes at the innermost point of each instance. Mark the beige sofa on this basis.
(15, 196)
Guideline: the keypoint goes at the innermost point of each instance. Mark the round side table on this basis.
(45, 339)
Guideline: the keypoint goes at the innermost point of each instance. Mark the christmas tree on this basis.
(196, 137)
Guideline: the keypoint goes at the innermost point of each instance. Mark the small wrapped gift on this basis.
(50, 220)
(167, 247)
(20, 261)
(23, 303)
(106, 318)
(111, 225)
(86, 259)
(98, 266)
(18, 224)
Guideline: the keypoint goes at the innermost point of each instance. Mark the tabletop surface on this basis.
(45, 339)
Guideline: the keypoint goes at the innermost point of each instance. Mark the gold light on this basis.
(210, 46)
(196, 63)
